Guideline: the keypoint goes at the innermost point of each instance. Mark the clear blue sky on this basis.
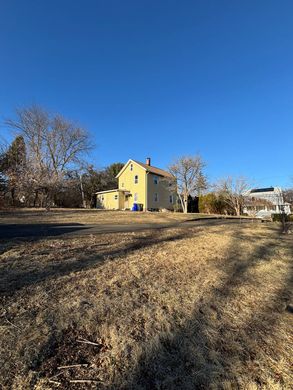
(160, 78)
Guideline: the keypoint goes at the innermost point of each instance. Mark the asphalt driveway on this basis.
(37, 231)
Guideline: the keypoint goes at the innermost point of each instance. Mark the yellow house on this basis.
(140, 186)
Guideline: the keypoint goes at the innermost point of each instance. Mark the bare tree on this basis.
(189, 178)
(233, 192)
(288, 195)
(54, 146)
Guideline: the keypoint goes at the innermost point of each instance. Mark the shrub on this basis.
(212, 204)
(206, 203)
(279, 217)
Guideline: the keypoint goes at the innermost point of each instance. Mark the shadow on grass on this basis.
(209, 350)
(13, 279)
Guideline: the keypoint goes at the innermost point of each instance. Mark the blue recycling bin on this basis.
(135, 207)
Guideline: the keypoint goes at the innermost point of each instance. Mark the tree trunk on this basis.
(283, 223)
(12, 191)
(82, 192)
(185, 209)
(36, 198)
(237, 208)
(182, 203)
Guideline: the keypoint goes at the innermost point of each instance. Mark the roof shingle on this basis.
(155, 170)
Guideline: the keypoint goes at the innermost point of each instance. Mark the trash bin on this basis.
(135, 207)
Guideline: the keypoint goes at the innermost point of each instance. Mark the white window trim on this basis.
(136, 179)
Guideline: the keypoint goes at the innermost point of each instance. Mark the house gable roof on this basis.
(148, 168)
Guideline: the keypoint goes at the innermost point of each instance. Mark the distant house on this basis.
(265, 201)
(140, 186)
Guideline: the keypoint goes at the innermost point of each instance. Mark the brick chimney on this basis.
(148, 161)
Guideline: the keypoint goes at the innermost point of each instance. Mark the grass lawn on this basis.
(182, 308)
(92, 216)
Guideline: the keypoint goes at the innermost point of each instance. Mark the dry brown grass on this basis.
(171, 309)
(92, 216)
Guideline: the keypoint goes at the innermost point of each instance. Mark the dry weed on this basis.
(168, 309)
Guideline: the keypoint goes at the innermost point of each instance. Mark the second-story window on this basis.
(135, 179)
(131, 167)
(156, 179)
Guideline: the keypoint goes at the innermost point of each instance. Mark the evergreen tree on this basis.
(13, 163)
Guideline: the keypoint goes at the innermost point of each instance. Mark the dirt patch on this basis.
(72, 355)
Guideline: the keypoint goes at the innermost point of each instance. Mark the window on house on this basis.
(156, 197)
(156, 179)
(135, 197)
(102, 198)
(171, 198)
(122, 185)
(135, 179)
(131, 167)
(116, 197)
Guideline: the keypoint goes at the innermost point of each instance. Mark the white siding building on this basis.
(265, 201)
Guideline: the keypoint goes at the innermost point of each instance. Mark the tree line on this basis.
(46, 165)
(226, 196)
